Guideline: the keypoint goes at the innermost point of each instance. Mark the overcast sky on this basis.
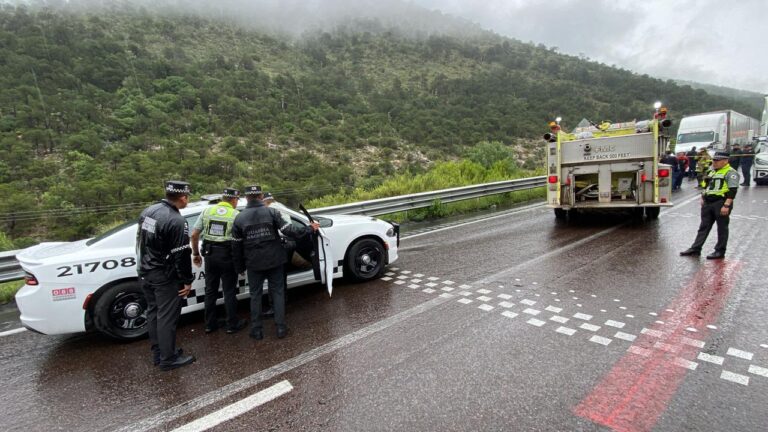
(710, 41)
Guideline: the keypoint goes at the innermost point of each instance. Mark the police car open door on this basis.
(322, 256)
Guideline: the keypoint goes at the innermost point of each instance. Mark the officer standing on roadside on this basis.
(735, 159)
(165, 270)
(720, 187)
(747, 158)
(257, 248)
(215, 227)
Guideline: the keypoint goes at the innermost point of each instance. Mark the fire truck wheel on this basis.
(561, 214)
(652, 212)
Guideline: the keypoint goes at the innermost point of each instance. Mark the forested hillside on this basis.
(97, 109)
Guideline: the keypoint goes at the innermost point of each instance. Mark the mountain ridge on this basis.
(100, 108)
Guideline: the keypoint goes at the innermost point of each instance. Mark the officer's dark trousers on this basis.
(276, 283)
(289, 248)
(746, 170)
(163, 311)
(219, 267)
(710, 213)
(677, 179)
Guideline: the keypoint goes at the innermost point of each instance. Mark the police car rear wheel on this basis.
(121, 312)
(365, 260)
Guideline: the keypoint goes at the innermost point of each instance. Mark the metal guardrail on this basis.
(425, 199)
(10, 269)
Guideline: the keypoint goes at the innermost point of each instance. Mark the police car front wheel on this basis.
(121, 312)
(365, 260)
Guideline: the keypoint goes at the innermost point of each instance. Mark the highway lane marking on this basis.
(621, 335)
(214, 396)
(636, 391)
(739, 353)
(12, 332)
(236, 409)
(734, 377)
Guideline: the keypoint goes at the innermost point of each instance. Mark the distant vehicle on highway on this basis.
(716, 131)
(760, 165)
(92, 284)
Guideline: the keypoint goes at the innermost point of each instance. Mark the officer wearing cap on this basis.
(215, 227)
(256, 247)
(165, 270)
(720, 187)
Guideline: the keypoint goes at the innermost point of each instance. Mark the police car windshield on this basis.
(111, 231)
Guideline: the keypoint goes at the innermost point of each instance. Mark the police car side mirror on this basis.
(324, 222)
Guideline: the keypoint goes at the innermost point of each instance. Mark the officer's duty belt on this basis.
(224, 244)
(713, 198)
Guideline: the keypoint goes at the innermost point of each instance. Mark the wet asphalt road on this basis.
(517, 322)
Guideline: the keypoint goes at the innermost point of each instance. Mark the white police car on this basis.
(92, 284)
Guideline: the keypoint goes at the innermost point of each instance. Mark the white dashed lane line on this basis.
(236, 409)
(12, 332)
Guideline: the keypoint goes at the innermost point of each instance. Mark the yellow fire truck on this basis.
(609, 166)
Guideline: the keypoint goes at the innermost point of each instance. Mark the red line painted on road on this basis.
(636, 391)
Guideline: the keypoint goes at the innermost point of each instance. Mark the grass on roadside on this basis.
(8, 290)
(441, 176)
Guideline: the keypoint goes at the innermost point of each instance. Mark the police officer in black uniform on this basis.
(256, 247)
(215, 227)
(165, 269)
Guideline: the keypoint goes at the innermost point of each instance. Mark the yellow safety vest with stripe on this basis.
(217, 222)
(716, 182)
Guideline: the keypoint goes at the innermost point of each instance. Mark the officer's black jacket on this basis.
(162, 245)
(256, 243)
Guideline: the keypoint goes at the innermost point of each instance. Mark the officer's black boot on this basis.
(691, 252)
(716, 255)
(181, 360)
(282, 331)
(241, 324)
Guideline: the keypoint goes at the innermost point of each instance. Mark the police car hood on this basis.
(348, 219)
(42, 251)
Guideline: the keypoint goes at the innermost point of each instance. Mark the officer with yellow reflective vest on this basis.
(215, 227)
(720, 187)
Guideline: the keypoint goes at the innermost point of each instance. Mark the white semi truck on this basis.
(716, 131)
(609, 166)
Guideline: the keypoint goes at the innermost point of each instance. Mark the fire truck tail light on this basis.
(643, 177)
(568, 181)
(552, 179)
(663, 200)
(663, 173)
